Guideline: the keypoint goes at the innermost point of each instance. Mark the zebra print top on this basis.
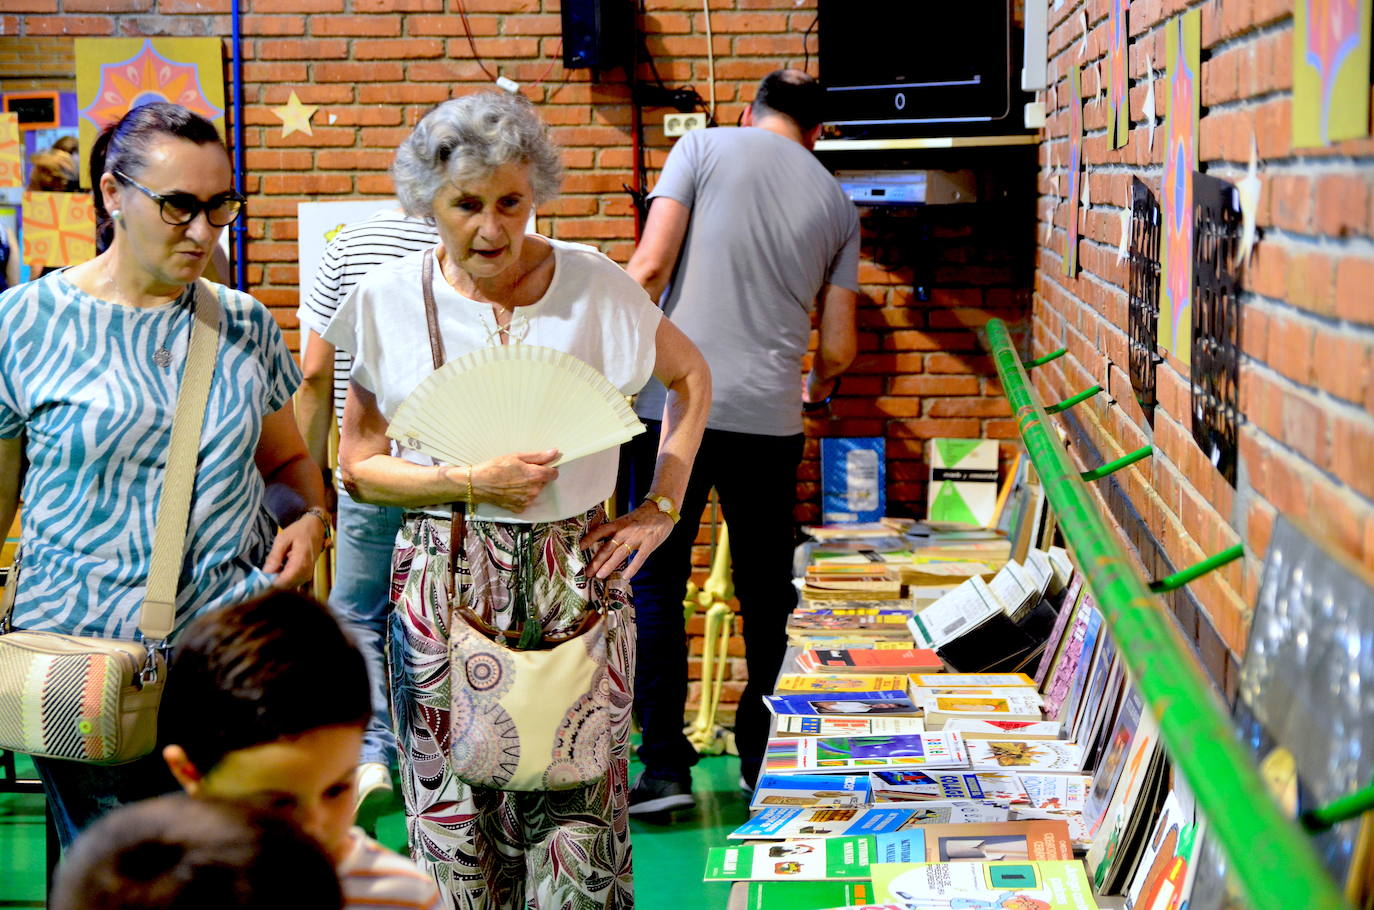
(77, 376)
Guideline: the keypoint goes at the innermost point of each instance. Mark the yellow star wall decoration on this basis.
(295, 117)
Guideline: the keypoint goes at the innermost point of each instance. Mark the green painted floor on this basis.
(668, 856)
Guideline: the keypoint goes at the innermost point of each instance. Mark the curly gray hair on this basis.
(473, 136)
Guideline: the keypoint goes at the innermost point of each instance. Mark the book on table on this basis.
(983, 728)
(813, 859)
(868, 661)
(793, 895)
(1041, 839)
(937, 711)
(806, 791)
(858, 725)
(953, 811)
(1017, 695)
(1066, 793)
(1041, 885)
(791, 824)
(920, 786)
(994, 680)
(1025, 755)
(839, 682)
(880, 703)
(841, 754)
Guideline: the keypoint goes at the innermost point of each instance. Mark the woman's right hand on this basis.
(512, 482)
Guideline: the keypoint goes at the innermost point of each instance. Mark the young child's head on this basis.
(267, 700)
(178, 853)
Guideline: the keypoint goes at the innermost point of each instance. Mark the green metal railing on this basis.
(1269, 854)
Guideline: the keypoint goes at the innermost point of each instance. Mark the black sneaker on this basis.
(657, 794)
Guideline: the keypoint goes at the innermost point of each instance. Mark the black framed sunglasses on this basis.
(182, 208)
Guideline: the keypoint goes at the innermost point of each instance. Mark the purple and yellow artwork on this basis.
(1075, 190)
(1183, 46)
(1119, 83)
(1330, 71)
(116, 75)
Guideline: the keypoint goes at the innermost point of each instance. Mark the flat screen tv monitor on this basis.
(919, 65)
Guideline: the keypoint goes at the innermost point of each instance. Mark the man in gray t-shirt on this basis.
(747, 234)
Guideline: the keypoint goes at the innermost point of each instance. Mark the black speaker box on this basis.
(597, 33)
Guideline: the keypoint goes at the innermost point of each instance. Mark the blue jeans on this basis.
(361, 599)
(79, 794)
(755, 478)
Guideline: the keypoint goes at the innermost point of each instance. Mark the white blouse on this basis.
(592, 310)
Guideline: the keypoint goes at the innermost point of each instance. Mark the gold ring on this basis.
(621, 543)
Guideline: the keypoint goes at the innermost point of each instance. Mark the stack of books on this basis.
(973, 741)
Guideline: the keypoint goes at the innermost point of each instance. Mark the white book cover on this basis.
(922, 786)
(1025, 755)
(1024, 728)
(957, 811)
(979, 699)
(798, 725)
(843, 754)
(1056, 792)
(1015, 588)
(966, 607)
(987, 680)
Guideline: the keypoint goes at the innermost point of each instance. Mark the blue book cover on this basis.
(801, 791)
(852, 479)
(783, 824)
(892, 702)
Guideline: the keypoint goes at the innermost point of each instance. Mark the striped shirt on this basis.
(355, 251)
(78, 379)
(373, 877)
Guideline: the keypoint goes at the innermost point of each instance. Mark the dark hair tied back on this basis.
(123, 146)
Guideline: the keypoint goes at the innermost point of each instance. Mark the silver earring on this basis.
(117, 215)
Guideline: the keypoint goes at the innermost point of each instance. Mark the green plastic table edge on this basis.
(1269, 854)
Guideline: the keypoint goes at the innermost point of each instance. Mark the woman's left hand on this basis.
(627, 541)
(295, 551)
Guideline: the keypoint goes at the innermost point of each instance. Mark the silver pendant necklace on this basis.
(162, 356)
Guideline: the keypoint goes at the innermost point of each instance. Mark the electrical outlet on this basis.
(676, 124)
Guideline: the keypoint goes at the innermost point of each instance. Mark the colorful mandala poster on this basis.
(1183, 46)
(1075, 190)
(1330, 71)
(59, 229)
(11, 156)
(115, 75)
(1119, 91)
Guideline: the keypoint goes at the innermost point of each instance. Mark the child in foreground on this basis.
(268, 702)
(178, 853)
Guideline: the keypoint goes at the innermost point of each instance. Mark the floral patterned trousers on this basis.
(492, 849)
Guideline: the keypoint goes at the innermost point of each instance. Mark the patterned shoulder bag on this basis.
(537, 712)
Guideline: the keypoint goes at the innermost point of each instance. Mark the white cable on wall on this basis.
(710, 60)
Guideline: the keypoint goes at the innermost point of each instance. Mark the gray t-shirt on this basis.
(769, 227)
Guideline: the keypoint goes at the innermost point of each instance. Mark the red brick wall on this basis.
(377, 66)
(1307, 369)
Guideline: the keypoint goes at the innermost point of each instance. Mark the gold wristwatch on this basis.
(665, 505)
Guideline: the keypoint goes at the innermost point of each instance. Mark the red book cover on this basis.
(864, 660)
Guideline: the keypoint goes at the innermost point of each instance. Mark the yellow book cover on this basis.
(840, 682)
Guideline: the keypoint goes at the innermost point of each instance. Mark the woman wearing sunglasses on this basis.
(91, 361)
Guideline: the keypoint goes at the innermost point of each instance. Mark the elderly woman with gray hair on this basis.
(535, 545)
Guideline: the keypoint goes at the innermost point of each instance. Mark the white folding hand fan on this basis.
(513, 398)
